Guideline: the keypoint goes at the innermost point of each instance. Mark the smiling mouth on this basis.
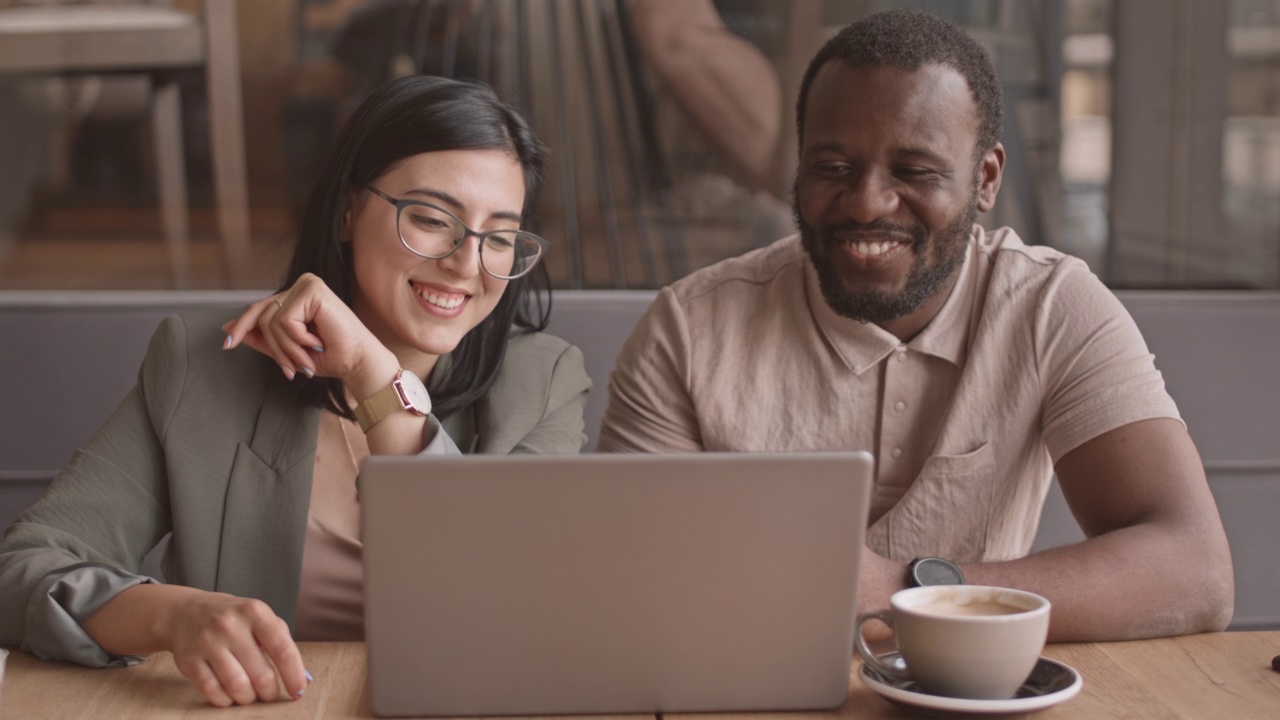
(870, 242)
(447, 301)
(873, 249)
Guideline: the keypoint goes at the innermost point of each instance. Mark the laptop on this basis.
(526, 585)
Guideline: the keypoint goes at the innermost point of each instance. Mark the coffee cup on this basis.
(963, 641)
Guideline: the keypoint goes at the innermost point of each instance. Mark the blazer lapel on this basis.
(268, 498)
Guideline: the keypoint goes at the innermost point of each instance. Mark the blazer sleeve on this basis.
(84, 541)
(559, 430)
(438, 441)
(536, 405)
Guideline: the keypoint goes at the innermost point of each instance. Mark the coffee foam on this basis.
(944, 606)
(972, 603)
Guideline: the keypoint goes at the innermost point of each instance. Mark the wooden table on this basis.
(1219, 675)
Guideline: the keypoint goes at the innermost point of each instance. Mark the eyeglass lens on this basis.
(435, 233)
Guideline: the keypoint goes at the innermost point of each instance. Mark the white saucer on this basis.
(1050, 683)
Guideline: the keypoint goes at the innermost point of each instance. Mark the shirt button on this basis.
(902, 355)
(896, 452)
(899, 406)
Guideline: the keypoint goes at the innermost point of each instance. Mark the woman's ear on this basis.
(348, 215)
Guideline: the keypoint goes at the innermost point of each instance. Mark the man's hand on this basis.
(879, 580)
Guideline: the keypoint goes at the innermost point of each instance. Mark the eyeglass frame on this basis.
(401, 203)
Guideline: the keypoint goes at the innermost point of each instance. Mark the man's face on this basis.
(889, 186)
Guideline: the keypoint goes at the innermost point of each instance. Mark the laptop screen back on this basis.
(611, 583)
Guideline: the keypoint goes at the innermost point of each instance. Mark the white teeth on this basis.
(448, 302)
(872, 248)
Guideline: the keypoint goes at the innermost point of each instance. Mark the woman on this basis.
(409, 266)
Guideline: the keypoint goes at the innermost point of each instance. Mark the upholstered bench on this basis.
(66, 359)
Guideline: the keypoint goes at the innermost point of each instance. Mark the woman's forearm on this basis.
(138, 620)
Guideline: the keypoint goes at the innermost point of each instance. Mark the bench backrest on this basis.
(66, 359)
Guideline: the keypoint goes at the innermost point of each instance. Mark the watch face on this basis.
(413, 394)
(936, 571)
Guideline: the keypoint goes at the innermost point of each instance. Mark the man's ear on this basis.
(990, 171)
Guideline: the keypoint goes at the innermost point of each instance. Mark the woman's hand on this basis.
(233, 649)
(307, 329)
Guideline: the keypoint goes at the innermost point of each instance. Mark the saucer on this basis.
(1050, 683)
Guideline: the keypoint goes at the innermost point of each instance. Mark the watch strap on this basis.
(378, 406)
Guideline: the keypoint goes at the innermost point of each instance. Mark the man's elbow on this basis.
(1217, 594)
(1208, 592)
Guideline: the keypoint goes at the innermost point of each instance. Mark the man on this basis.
(973, 366)
(725, 86)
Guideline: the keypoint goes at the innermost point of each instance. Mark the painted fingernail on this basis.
(298, 695)
(287, 372)
(308, 372)
(309, 678)
(226, 344)
(317, 349)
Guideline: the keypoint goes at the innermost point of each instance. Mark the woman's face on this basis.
(420, 309)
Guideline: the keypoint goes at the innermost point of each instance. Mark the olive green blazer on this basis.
(215, 447)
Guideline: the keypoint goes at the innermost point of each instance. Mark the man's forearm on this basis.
(1136, 582)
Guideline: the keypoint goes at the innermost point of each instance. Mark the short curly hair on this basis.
(909, 40)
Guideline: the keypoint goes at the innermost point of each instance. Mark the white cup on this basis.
(964, 641)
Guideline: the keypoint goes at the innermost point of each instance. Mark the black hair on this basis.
(909, 40)
(402, 118)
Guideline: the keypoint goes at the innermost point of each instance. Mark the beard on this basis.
(928, 275)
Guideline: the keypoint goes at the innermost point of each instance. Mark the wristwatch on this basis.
(406, 392)
(933, 571)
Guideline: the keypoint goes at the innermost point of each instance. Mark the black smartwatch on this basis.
(933, 571)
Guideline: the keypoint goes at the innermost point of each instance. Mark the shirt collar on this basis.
(947, 335)
(862, 345)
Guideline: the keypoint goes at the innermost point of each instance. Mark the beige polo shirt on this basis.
(1029, 357)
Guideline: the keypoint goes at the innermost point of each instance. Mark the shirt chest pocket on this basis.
(946, 512)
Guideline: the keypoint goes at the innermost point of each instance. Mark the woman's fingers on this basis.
(266, 647)
(284, 326)
(288, 326)
(300, 333)
(270, 338)
(279, 647)
(261, 673)
(267, 326)
(304, 329)
(205, 680)
(238, 651)
(231, 673)
(246, 328)
(239, 328)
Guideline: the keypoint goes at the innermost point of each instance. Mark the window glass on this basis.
(652, 175)
(1251, 144)
(1085, 152)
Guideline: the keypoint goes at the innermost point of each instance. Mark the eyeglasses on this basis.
(432, 232)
